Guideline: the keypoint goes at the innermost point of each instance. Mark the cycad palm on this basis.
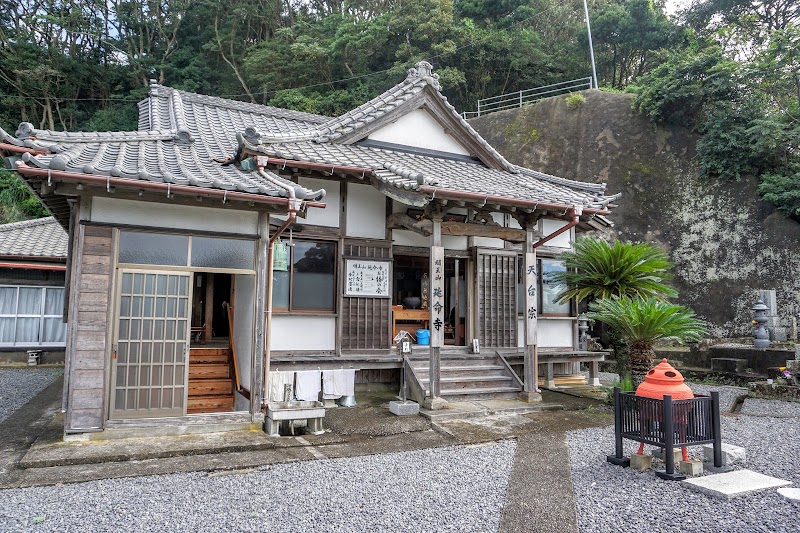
(598, 269)
(641, 322)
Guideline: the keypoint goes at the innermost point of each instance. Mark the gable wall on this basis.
(420, 130)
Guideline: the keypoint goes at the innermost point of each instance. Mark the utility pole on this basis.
(591, 46)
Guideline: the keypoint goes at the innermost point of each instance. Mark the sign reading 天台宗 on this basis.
(366, 278)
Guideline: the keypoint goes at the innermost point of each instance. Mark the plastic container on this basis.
(423, 337)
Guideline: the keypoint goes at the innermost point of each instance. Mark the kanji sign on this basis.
(366, 278)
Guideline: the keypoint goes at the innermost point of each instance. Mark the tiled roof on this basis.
(187, 151)
(42, 237)
(191, 139)
(409, 171)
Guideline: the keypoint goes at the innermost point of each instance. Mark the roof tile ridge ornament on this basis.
(25, 130)
(582, 185)
(424, 71)
(182, 134)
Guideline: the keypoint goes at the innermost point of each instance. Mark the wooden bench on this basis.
(593, 358)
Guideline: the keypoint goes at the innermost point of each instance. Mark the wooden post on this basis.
(530, 392)
(437, 320)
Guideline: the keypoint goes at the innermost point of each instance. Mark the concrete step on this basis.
(457, 395)
(476, 382)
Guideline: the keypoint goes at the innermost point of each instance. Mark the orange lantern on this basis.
(663, 380)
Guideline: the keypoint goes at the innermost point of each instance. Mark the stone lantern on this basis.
(760, 335)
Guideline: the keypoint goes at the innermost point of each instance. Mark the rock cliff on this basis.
(725, 241)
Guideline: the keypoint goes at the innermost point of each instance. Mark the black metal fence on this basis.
(667, 424)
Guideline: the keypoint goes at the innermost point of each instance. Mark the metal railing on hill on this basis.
(527, 96)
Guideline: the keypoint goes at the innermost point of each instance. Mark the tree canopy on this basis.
(727, 68)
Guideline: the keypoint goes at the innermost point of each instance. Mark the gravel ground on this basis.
(727, 394)
(18, 386)
(610, 498)
(753, 406)
(445, 489)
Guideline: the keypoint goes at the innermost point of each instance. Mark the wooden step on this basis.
(456, 395)
(210, 404)
(195, 359)
(209, 370)
(464, 371)
(209, 387)
(208, 351)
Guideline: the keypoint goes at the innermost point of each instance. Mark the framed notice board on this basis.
(367, 278)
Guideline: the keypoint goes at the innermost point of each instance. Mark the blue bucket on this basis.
(423, 337)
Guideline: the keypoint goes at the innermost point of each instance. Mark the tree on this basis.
(641, 322)
(597, 270)
(17, 202)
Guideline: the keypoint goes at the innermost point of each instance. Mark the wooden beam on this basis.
(422, 227)
(465, 229)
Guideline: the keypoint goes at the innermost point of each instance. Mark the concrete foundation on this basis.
(641, 461)
(734, 484)
(691, 468)
(731, 455)
(404, 408)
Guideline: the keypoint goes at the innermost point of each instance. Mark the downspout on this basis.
(576, 213)
(294, 206)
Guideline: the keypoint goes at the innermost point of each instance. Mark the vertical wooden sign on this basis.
(531, 298)
(437, 297)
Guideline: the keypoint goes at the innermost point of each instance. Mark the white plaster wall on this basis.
(329, 216)
(419, 129)
(404, 237)
(554, 333)
(366, 212)
(133, 212)
(294, 332)
(549, 226)
(486, 242)
(244, 324)
(521, 332)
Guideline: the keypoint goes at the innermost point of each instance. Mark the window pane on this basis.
(27, 330)
(550, 289)
(54, 302)
(30, 301)
(313, 284)
(222, 253)
(55, 330)
(153, 248)
(7, 329)
(8, 300)
(280, 290)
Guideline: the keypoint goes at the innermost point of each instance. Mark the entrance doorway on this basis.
(410, 296)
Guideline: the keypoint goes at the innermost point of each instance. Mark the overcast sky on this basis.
(675, 5)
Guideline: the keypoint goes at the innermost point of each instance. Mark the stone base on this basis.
(329, 403)
(404, 408)
(731, 455)
(641, 461)
(529, 396)
(434, 404)
(691, 468)
(658, 453)
(790, 494)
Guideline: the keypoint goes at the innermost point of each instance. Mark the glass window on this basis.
(310, 281)
(551, 289)
(31, 316)
(222, 253)
(153, 248)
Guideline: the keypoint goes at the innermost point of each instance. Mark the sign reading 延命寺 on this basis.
(366, 278)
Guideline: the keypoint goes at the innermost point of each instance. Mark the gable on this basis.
(418, 129)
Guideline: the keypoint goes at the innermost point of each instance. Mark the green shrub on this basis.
(575, 100)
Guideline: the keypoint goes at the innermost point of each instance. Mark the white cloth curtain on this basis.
(25, 315)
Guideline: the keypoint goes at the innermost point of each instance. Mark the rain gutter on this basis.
(169, 188)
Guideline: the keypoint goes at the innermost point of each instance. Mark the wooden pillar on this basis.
(437, 321)
(531, 358)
